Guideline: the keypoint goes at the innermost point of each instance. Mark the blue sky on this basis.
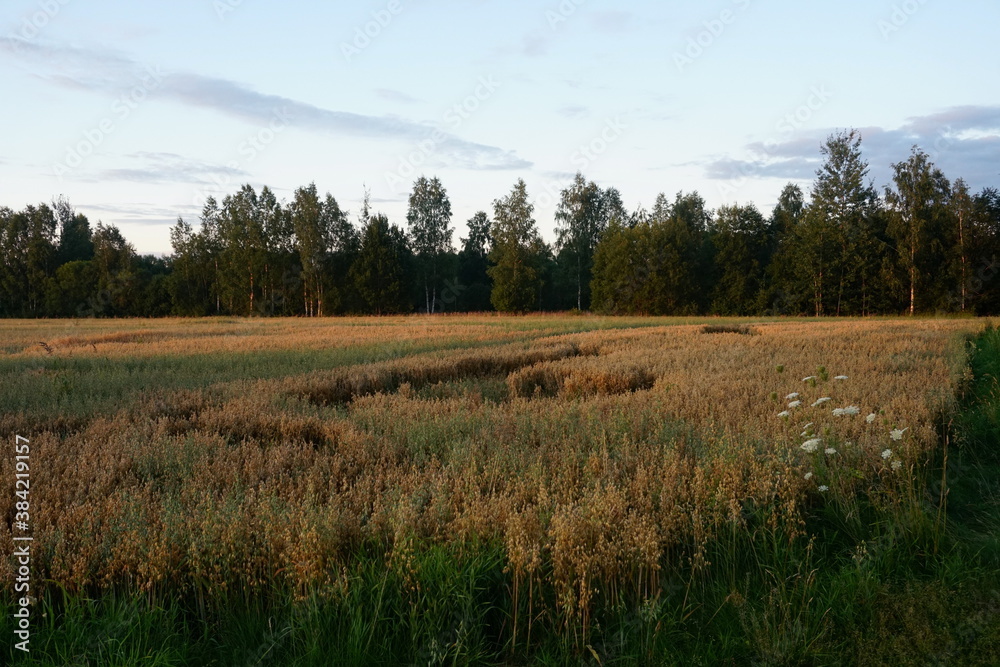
(138, 111)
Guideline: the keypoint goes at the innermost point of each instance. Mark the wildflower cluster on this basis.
(825, 438)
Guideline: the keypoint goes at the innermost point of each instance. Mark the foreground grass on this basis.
(910, 583)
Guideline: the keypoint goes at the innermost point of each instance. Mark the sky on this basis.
(139, 111)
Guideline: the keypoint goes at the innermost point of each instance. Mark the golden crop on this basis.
(599, 460)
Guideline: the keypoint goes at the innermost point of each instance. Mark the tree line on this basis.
(923, 244)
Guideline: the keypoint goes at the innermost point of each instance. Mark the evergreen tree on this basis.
(380, 270)
(838, 243)
(655, 264)
(790, 288)
(73, 290)
(473, 266)
(984, 281)
(345, 245)
(516, 253)
(741, 240)
(621, 271)
(75, 236)
(114, 260)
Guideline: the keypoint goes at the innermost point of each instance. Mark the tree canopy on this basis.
(921, 244)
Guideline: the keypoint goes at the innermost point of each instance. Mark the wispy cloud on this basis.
(573, 111)
(553, 175)
(144, 213)
(107, 71)
(391, 95)
(167, 168)
(132, 209)
(534, 44)
(963, 141)
(613, 21)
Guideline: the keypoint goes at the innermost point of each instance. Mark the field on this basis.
(499, 490)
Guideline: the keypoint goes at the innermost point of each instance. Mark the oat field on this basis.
(469, 490)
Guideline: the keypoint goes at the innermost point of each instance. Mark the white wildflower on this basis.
(841, 377)
(838, 412)
(811, 377)
(849, 411)
(830, 451)
(821, 401)
(887, 454)
(808, 426)
(786, 413)
(794, 404)
(824, 488)
(792, 396)
(897, 464)
(811, 446)
(871, 418)
(809, 476)
(897, 435)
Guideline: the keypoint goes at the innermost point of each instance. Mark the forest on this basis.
(922, 244)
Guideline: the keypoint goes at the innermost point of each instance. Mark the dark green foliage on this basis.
(742, 329)
(984, 266)
(516, 254)
(741, 240)
(659, 266)
(928, 246)
(786, 292)
(74, 284)
(28, 251)
(919, 224)
(75, 236)
(379, 273)
(192, 280)
(117, 282)
(581, 218)
(429, 220)
(473, 285)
